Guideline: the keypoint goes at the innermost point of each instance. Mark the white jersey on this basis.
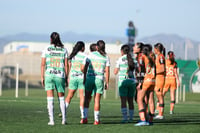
(97, 64)
(55, 61)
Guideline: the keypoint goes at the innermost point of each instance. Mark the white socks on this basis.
(82, 112)
(124, 113)
(62, 107)
(50, 108)
(96, 116)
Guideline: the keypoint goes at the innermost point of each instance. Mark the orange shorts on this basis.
(160, 81)
(170, 83)
(148, 85)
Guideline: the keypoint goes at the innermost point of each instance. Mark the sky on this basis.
(101, 17)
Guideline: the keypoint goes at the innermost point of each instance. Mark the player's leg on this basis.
(123, 91)
(124, 109)
(60, 87)
(160, 80)
(99, 84)
(89, 87)
(97, 108)
(73, 85)
(82, 97)
(141, 108)
(50, 107)
(172, 95)
(49, 87)
(159, 95)
(151, 105)
(131, 94)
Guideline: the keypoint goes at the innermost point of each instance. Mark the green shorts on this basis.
(94, 84)
(76, 83)
(127, 88)
(55, 83)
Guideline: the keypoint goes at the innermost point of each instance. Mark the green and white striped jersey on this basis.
(55, 61)
(77, 60)
(122, 65)
(97, 64)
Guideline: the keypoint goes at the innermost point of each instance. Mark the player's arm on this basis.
(43, 63)
(116, 70)
(161, 66)
(176, 75)
(67, 69)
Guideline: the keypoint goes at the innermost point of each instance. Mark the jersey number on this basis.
(55, 62)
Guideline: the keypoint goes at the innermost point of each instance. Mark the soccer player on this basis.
(76, 76)
(159, 50)
(137, 50)
(54, 71)
(98, 64)
(147, 88)
(171, 78)
(125, 67)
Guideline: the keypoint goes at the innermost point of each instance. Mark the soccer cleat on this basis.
(171, 112)
(96, 123)
(158, 117)
(150, 123)
(84, 121)
(130, 121)
(142, 123)
(51, 123)
(124, 121)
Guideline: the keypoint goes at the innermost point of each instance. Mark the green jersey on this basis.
(97, 65)
(55, 61)
(122, 65)
(76, 63)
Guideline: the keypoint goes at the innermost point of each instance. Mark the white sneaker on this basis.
(171, 112)
(64, 122)
(158, 117)
(51, 123)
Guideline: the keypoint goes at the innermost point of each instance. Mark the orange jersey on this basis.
(150, 71)
(149, 79)
(170, 69)
(160, 72)
(170, 79)
(160, 64)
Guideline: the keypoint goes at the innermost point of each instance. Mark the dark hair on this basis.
(146, 51)
(160, 47)
(93, 47)
(171, 57)
(78, 47)
(140, 45)
(101, 47)
(55, 39)
(149, 46)
(126, 50)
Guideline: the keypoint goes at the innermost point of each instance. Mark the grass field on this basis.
(29, 115)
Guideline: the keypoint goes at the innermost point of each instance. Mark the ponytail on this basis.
(78, 47)
(171, 57)
(126, 50)
(146, 51)
(160, 47)
(101, 47)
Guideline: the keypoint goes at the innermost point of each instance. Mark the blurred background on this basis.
(26, 25)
